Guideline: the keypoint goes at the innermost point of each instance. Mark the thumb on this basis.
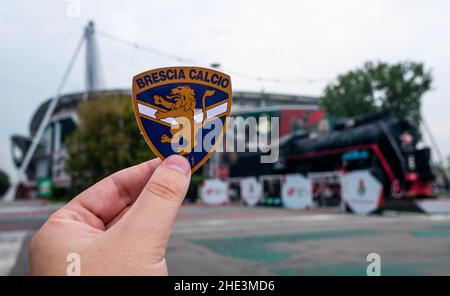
(149, 221)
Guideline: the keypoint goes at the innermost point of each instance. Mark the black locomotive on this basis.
(384, 144)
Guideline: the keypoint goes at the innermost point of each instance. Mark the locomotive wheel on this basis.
(397, 189)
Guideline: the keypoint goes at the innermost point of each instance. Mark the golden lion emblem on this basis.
(181, 104)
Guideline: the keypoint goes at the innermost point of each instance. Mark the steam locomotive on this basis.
(383, 144)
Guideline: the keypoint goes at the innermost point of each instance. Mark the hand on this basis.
(119, 226)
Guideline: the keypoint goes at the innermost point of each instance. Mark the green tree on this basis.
(378, 87)
(4, 182)
(106, 140)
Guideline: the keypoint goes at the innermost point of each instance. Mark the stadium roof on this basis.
(243, 98)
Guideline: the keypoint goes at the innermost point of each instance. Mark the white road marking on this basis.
(224, 225)
(214, 225)
(10, 245)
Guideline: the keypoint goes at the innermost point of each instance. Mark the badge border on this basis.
(184, 80)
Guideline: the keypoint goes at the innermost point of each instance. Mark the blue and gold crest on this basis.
(182, 110)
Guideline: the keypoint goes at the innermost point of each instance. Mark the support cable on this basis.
(10, 195)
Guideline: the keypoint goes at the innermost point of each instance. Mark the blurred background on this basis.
(360, 89)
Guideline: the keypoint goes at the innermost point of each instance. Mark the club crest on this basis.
(182, 110)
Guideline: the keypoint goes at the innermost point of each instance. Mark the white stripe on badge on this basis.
(213, 112)
(150, 112)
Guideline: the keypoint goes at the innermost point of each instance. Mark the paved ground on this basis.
(267, 241)
(18, 221)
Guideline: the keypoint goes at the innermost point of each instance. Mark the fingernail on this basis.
(178, 163)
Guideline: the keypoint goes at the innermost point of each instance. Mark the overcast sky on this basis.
(281, 39)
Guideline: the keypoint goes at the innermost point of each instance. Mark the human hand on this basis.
(119, 226)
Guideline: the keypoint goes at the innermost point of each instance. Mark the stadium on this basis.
(364, 164)
(47, 162)
(376, 155)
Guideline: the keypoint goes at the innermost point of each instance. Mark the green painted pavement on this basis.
(354, 269)
(437, 231)
(258, 248)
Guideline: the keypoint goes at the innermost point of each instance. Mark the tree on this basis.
(106, 140)
(4, 182)
(378, 87)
